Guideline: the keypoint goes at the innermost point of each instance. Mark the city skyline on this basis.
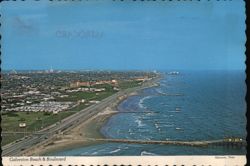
(193, 36)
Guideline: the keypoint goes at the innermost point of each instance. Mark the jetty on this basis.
(170, 94)
(139, 112)
(237, 142)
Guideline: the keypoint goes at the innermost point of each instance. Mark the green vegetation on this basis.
(102, 95)
(78, 107)
(108, 87)
(129, 84)
(75, 96)
(34, 121)
(87, 96)
(6, 139)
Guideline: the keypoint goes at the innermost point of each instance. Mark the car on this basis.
(17, 140)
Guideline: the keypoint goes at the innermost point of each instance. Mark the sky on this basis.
(123, 35)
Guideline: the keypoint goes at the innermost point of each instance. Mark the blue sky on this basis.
(123, 35)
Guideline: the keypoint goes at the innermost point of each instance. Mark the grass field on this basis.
(34, 121)
(87, 96)
(129, 84)
(6, 139)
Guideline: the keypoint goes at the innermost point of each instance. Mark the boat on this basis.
(177, 109)
(173, 73)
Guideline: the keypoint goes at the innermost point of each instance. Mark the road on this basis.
(16, 148)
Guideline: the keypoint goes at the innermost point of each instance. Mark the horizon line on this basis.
(116, 69)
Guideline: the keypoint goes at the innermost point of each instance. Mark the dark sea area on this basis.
(190, 106)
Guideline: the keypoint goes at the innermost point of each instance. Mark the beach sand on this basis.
(79, 136)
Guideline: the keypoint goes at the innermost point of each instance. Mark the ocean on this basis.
(190, 106)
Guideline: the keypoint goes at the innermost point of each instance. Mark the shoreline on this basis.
(85, 133)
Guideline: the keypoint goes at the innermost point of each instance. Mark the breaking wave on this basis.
(142, 101)
(145, 153)
(159, 91)
(114, 151)
(139, 123)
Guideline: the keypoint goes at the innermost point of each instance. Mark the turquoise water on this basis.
(204, 105)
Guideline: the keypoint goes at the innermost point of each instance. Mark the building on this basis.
(94, 101)
(22, 125)
(78, 84)
(141, 79)
(87, 83)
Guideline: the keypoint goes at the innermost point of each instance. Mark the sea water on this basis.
(190, 106)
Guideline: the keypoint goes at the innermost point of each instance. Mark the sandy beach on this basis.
(79, 136)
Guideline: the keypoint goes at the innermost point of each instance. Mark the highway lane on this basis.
(66, 124)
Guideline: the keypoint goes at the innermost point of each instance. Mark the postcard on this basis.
(123, 83)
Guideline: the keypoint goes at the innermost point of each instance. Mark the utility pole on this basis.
(60, 117)
(42, 123)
